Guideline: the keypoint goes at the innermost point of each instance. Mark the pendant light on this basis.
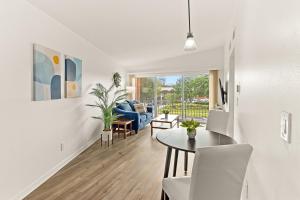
(190, 43)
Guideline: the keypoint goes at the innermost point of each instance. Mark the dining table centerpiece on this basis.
(191, 127)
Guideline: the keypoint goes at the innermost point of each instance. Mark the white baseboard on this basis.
(27, 190)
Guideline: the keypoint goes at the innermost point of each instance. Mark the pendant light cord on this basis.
(189, 16)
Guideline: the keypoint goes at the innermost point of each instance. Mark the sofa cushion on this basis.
(139, 107)
(149, 116)
(143, 117)
(124, 106)
(150, 108)
(131, 103)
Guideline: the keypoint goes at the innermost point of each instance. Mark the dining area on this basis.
(219, 164)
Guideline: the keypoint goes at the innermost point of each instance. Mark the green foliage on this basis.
(105, 102)
(165, 111)
(171, 97)
(147, 89)
(193, 87)
(190, 125)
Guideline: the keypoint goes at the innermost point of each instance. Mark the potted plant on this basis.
(166, 112)
(106, 101)
(190, 126)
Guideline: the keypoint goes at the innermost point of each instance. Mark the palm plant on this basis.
(105, 102)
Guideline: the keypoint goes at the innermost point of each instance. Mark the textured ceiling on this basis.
(140, 31)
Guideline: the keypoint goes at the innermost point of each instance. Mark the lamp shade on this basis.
(190, 44)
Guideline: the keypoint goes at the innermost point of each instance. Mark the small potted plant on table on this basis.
(191, 126)
(166, 112)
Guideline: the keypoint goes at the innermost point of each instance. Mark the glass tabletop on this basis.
(161, 118)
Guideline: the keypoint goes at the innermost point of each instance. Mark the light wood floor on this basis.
(131, 169)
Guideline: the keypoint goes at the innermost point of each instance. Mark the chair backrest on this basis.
(217, 121)
(218, 172)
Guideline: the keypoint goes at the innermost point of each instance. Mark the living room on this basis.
(246, 63)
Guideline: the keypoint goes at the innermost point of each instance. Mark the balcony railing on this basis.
(198, 111)
(186, 110)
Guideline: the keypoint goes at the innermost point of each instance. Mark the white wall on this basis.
(190, 62)
(267, 60)
(31, 132)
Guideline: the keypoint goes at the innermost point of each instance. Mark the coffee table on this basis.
(172, 120)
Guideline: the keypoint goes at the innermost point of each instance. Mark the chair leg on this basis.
(166, 197)
(185, 162)
(162, 195)
(167, 167)
(175, 162)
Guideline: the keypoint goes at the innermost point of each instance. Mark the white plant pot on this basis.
(192, 134)
(106, 135)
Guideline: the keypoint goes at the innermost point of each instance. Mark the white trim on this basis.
(174, 73)
(35, 184)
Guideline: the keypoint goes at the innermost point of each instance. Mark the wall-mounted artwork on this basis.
(46, 74)
(73, 77)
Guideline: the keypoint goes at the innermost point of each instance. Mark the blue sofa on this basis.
(140, 120)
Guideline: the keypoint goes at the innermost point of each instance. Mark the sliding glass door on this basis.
(169, 94)
(195, 93)
(146, 90)
(186, 96)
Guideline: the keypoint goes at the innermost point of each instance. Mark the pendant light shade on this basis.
(190, 43)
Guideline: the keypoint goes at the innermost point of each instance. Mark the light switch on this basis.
(238, 88)
(285, 124)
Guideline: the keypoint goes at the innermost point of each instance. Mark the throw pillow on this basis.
(139, 108)
(131, 103)
(124, 106)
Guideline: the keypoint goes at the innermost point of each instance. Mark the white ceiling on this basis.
(139, 31)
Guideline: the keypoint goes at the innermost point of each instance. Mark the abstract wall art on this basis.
(46, 73)
(73, 77)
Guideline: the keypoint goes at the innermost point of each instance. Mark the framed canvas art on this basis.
(46, 73)
(73, 77)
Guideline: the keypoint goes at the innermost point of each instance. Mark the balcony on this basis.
(192, 110)
(183, 95)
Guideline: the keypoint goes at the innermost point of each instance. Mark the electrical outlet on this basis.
(61, 147)
(285, 126)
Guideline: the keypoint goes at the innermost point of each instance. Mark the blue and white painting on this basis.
(73, 77)
(46, 74)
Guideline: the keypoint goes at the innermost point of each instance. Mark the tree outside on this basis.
(194, 88)
(195, 101)
(169, 94)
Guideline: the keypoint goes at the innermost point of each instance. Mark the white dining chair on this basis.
(218, 174)
(217, 121)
